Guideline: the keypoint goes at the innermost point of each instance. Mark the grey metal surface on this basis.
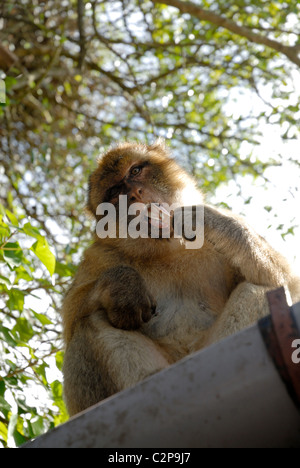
(228, 395)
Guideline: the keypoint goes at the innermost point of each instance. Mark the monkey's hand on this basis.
(188, 222)
(124, 296)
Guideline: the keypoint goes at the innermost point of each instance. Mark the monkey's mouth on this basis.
(157, 215)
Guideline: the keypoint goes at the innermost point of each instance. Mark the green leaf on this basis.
(4, 280)
(22, 273)
(41, 318)
(15, 300)
(68, 88)
(57, 389)
(13, 254)
(7, 336)
(4, 230)
(41, 371)
(32, 231)
(2, 211)
(4, 405)
(59, 359)
(2, 388)
(10, 200)
(3, 432)
(12, 425)
(23, 329)
(37, 426)
(12, 218)
(19, 438)
(10, 82)
(23, 407)
(43, 252)
(64, 270)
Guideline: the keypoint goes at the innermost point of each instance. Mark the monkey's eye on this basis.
(113, 192)
(135, 170)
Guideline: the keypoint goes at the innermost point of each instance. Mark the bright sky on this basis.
(285, 210)
(283, 193)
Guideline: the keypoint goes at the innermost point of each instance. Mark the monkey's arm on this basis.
(243, 248)
(256, 260)
(119, 291)
(122, 293)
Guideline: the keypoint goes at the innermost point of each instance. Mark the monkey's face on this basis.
(139, 174)
(143, 173)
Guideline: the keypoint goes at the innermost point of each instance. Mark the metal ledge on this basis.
(228, 395)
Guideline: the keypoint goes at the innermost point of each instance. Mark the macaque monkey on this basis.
(138, 305)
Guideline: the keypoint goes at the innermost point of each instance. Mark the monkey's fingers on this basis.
(157, 215)
(149, 310)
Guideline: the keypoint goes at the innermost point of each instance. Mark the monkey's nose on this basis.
(136, 194)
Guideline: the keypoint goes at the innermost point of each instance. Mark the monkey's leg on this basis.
(246, 304)
(101, 360)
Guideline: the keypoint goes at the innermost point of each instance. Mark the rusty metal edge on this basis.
(278, 331)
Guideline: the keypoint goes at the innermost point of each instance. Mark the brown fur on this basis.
(137, 305)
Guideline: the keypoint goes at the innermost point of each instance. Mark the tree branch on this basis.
(218, 20)
(7, 58)
(80, 20)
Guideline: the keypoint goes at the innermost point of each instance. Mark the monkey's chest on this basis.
(180, 322)
(189, 294)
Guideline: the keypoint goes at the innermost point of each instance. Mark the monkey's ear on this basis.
(159, 146)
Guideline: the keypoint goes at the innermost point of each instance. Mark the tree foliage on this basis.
(82, 74)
